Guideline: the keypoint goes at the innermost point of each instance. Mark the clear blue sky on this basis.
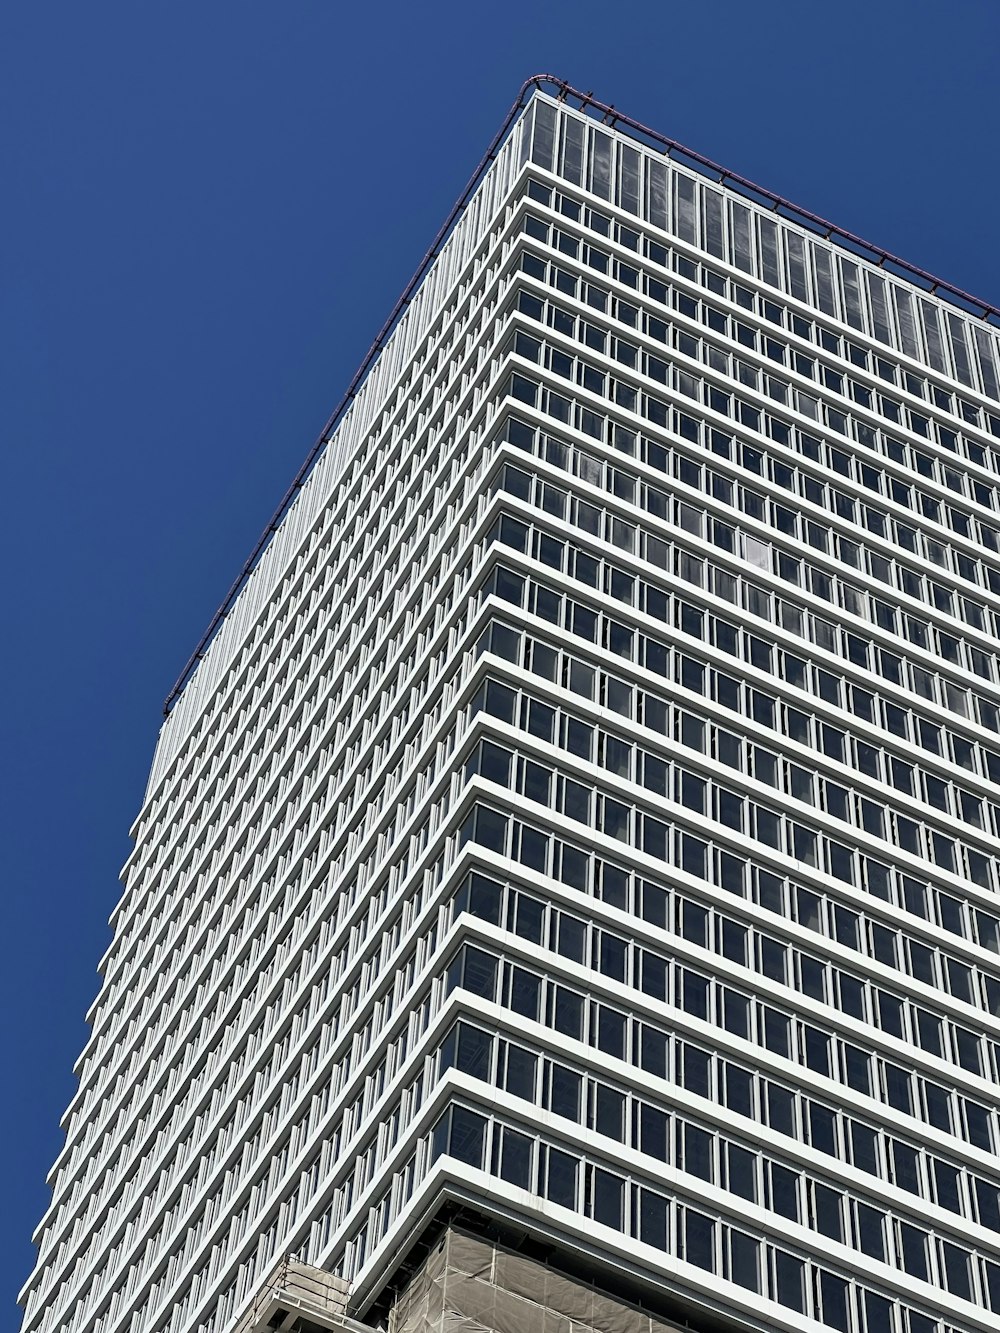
(207, 211)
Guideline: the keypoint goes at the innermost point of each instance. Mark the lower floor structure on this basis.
(468, 1273)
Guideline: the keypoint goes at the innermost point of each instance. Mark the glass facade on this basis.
(588, 809)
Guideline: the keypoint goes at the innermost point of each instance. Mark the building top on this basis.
(585, 141)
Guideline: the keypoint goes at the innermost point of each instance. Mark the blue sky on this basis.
(207, 212)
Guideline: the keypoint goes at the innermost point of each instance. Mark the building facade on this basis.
(571, 864)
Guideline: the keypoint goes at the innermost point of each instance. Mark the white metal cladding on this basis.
(590, 811)
(178, 943)
(357, 432)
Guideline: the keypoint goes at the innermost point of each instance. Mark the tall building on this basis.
(565, 897)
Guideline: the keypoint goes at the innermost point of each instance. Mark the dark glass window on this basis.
(698, 1155)
(560, 1178)
(913, 1250)
(699, 1240)
(864, 1149)
(789, 1281)
(653, 1219)
(946, 1186)
(878, 1314)
(739, 1090)
(697, 1068)
(611, 1032)
(515, 1159)
(823, 1129)
(956, 1269)
(870, 1236)
(898, 1088)
(608, 1192)
(742, 1172)
(653, 1132)
(834, 1296)
(520, 1072)
(467, 1137)
(905, 1167)
(473, 1051)
(564, 1092)
(653, 1053)
(525, 990)
(828, 1211)
(568, 1013)
(744, 1260)
(781, 1109)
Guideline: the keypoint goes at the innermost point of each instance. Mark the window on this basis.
(561, 1178)
(699, 1240)
(789, 1281)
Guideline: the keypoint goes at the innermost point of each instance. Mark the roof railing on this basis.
(610, 115)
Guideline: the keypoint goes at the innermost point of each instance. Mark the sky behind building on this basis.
(208, 217)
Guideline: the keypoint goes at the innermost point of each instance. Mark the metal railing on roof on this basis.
(874, 254)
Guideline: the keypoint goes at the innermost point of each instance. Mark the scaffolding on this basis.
(297, 1298)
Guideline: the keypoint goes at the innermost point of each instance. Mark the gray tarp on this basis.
(470, 1285)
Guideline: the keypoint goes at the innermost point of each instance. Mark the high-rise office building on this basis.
(565, 896)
